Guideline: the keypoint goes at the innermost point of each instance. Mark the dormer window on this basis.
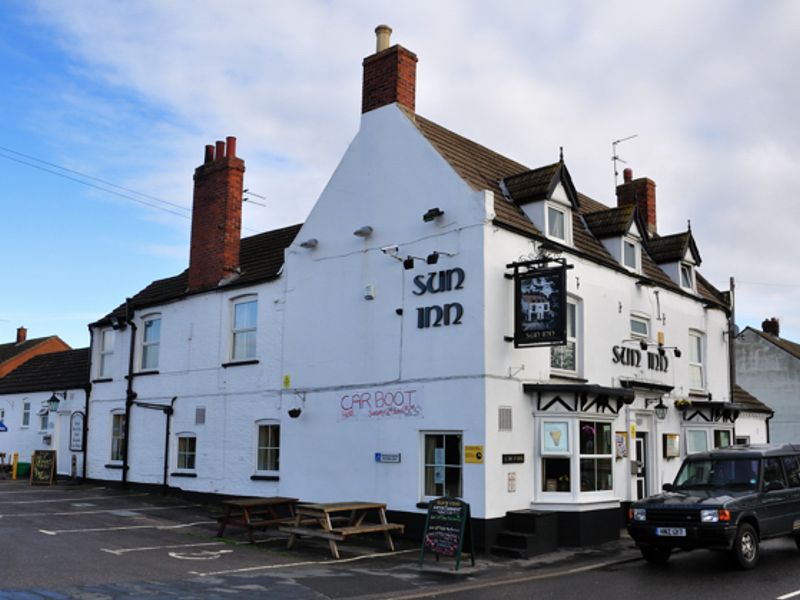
(630, 254)
(555, 223)
(687, 276)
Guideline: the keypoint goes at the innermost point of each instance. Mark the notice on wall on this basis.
(379, 404)
(473, 454)
(76, 422)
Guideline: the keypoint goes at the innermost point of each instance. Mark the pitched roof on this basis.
(672, 248)
(52, 372)
(533, 185)
(743, 400)
(260, 259)
(612, 222)
(12, 349)
(483, 169)
(782, 343)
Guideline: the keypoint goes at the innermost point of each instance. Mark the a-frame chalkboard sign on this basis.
(448, 530)
(43, 467)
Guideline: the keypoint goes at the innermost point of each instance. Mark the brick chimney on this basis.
(216, 216)
(390, 75)
(771, 326)
(22, 335)
(641, 192)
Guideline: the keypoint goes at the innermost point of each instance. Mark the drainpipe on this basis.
(168, 412)
(87, 391)
(732, 336)
(130, 395)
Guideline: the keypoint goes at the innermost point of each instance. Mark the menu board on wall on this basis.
(448, 528)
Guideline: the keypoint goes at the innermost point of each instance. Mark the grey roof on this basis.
(782, 343)
(52, 372)
(744, 400)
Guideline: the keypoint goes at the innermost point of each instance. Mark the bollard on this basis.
(14, 462)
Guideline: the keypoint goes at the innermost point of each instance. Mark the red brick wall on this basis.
(216, 217)
(642, 192)
(389, 76)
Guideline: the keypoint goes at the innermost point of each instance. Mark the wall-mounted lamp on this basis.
(310, 243)
(53, 402)
(433, 257)
(116, 322)
(660, 409)
(662, 350)
(408, 263)
(363, 232)
(432, 214)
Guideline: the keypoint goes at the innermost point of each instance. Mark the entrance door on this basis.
(641, 465)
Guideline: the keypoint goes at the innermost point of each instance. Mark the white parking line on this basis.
(300, 564)
(96, 512)
(71, 499)
(789, 595)
(122, 551)
(45, 490)
(123, 528)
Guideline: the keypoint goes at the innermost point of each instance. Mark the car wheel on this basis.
(745, 547)
(656, 555)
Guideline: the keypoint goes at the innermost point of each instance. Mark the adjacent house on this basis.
(13, 354)
(488, 333)
(43, 407)
(768, 366)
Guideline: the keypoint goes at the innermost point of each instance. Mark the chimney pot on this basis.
(22, 334)
(382, 34)
(220, 150)
(209, 154)
(230, 147)
(627, 175)
(771, 326)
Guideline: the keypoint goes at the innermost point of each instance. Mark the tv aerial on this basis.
(615, 158)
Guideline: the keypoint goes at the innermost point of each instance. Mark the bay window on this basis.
(596, 458)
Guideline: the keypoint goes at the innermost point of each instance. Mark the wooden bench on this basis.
(324, 515)
(256, 513)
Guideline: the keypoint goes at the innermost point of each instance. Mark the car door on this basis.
(776, 503)
(791, 466)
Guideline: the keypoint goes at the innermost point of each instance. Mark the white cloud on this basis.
(708, 87)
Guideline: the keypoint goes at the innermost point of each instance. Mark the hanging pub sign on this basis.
(540, 307)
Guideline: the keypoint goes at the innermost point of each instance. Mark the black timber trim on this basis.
(710, 412)
(240, 363)
(646, 385)
(179, 474)
(265, 477)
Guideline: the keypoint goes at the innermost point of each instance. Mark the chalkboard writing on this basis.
(447, 527)
(43, 467)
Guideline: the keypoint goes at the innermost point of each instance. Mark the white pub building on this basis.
(388, 348)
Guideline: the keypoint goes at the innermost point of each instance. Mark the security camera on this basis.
(391, 250)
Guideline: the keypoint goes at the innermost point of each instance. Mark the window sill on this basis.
(102, 380)
(698, 394)
(240, 363)
(113, 466)
(265, 477)
(423, 504)
(182, 474)
(145, 373)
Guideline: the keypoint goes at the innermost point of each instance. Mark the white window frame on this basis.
(182, 453)
(690, 275)
(566, 215)
(695, 365)
(150, 345)
(26, 414)
(609, 456)
(709, 434)
(116, 449)
(106, 352)
(244, 330)
(44, 419)
(573, 340)
(637, 254)
(267, 448)
(443, 465)
(642, 319)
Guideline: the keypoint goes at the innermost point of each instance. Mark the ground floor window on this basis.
(187, 451)
(722, 438)
(442, 467)
(269, 437)
(117, 435)
(596, 457)
(555, 473)
(700, 440)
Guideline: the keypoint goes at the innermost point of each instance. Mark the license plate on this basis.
(670, 532)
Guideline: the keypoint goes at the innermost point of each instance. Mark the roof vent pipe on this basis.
(382, 33)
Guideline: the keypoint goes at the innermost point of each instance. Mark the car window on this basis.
(773, 472)
(792, 467)
(739, 473)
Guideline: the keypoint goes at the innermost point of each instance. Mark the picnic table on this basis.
(257, 513)
(337, 521)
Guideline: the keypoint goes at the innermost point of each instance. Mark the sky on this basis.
(107, 106)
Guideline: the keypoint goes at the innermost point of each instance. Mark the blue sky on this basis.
(131, 92)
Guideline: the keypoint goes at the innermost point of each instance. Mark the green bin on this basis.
(23, 470)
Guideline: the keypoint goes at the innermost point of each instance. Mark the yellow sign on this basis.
(473, 454)
(287, 382)
(633, 431)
